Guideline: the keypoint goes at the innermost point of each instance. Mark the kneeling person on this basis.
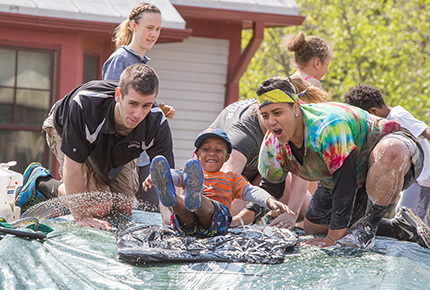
(204, 210)
(96, 133)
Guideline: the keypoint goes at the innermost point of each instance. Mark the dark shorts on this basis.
(320, 206)
(417, 155)
(259, 211)
(221, 220)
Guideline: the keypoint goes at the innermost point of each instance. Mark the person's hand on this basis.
(285, 221)
(329, 240)
(278, 206)
(147, 184)
(321, 242)
(168, 111)
(94, 223)
(244, 217)
(237, 221)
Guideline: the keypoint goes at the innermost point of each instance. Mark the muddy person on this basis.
(362, 161)
(204, 209)
(96, 132)
(369, 98)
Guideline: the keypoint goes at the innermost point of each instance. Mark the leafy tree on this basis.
(382, 43)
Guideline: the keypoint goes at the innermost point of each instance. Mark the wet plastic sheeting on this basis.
(139, 243)
(82, 258)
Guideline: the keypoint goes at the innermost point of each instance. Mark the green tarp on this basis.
(82, 258)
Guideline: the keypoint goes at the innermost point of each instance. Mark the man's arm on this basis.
(294, 197)
(74, 183)
(297, 194)
(426, 133)
(236, 162)
(72, 176)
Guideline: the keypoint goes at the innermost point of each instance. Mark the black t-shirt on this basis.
(84, 119)
(240, 121)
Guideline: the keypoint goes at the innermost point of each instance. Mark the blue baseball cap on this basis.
(213, 132)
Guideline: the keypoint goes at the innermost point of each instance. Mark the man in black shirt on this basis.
(96, 132)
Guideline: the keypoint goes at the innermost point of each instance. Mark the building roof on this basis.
(286, 7)
(271, 12)
(108, 11)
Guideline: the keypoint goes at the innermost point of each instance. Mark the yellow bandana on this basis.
(276, 96)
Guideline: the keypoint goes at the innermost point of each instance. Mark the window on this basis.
(91, 68)
(26, 95)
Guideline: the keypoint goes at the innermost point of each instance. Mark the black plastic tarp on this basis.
(140, 243)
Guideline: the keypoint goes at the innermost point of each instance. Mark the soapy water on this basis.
(88, 201)
(24, 222)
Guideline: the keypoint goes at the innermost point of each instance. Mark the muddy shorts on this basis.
(126, 182)
(221, 220)
(320, 207)
(417, 155)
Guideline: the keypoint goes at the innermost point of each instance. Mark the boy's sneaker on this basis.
(410, 227)
(28, 195)
(193, 179)
(162, 179)
(361, 237)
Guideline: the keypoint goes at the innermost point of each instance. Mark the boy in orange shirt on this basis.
(204, 210)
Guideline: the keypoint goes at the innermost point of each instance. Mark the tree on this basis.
(382, 43)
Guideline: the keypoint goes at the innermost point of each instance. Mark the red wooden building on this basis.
(48, 47)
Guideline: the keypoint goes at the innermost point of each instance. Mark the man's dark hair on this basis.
(139, 77)
(364, 97)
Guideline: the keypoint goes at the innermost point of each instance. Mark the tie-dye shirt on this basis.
(331, 132)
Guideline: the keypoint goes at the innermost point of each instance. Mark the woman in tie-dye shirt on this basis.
(355, 156)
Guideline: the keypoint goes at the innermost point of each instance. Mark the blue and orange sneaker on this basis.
(193, 179)
(162, 180)
(28, 195)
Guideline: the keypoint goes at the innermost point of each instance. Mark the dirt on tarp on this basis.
(143, 244)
